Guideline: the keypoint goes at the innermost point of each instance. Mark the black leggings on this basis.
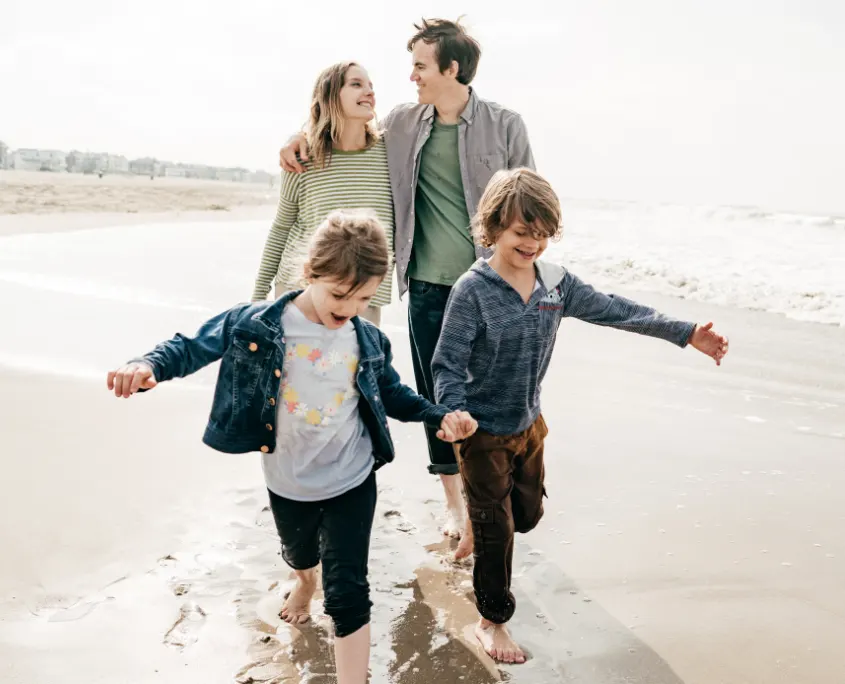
(337, 532)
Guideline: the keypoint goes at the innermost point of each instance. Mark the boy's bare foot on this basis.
(497, 642)
(465, 547)
(297, 608)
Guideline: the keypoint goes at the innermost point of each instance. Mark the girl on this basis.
(347, 169)
(308, 384)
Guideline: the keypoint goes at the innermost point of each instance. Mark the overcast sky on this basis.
(694, 101)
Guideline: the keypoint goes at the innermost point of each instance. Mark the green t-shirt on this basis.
(443, 245)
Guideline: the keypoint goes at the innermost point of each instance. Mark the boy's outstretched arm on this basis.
(178, 357)
(584, 302)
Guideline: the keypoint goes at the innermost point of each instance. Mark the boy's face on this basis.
(520, 246)
(334, 304)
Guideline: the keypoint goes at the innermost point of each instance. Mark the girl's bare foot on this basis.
(297, 608)
(496, 641)
(465, 547)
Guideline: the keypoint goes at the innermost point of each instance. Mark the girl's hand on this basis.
(709, 342)
(457, 426)
(128, 379)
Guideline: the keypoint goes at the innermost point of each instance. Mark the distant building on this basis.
(38, 160)
(145, 167)
(261, 177)
(173, 171)
(4, 152)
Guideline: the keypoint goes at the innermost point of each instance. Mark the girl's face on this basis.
(357, 98)
(331, 303)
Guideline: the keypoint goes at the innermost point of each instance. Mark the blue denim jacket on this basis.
(251, 343)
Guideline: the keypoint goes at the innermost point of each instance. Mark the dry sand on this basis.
(42, 193)
(692, 534)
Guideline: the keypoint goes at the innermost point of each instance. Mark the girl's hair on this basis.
(517, 195)
(327, 119)
(349, 246)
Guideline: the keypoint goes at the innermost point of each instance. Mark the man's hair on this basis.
(326, 118)
(451, 44)
(350, 247)
(517, 195)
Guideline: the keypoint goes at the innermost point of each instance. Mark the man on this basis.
(441, 152)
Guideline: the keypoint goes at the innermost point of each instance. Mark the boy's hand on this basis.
(287, 155)
(457, 426)
(709, 342)
(128, 379)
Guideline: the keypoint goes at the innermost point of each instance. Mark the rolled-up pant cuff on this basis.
(443, 468)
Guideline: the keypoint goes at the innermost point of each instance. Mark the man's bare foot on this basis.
(496, 641)
(453, 525)
(466, 545)
(297, 608)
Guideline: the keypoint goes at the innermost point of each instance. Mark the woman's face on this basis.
(357, 99)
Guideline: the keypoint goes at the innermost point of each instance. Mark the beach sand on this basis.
(692, 532)
(32, 201)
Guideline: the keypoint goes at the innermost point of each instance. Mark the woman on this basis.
(346, 169)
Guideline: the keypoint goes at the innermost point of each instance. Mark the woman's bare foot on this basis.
(466, 545)
(297, 608)
(496, 641)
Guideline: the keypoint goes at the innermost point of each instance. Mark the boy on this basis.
(501, 322)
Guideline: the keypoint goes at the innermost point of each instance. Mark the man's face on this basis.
(431, 84)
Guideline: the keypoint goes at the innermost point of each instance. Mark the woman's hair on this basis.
(350, 247)
(517, 195)
(326, 120)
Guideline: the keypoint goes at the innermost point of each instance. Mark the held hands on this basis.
(287, 155)
(128, 379)
(709, 342)
(456, 426)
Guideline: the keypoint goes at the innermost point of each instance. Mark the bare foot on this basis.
(465, 547)
(496, 641)
(297, 608)
(453, 525)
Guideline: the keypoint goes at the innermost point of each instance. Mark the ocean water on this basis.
(788, 264)
(84, 300)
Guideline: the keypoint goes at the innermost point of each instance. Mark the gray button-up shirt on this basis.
(490, 138)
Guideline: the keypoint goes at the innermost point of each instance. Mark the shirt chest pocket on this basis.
(548, 318)
(484, 166)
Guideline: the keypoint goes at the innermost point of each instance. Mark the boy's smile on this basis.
(519, 246)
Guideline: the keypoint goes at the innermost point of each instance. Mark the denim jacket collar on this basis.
(271, 318)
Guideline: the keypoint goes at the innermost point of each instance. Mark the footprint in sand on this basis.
(399, 521)
(184, 631)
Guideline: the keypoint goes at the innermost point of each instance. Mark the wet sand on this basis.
(692, 532)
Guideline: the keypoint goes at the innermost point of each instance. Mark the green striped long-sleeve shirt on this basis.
(351, 180)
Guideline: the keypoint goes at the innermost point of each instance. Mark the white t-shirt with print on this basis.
(323, 448)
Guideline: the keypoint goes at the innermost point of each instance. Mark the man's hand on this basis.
(709, 342)
(287, 155)
(128, 379)
(457, 426)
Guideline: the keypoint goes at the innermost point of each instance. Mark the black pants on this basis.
(337, 532)
(426, 305)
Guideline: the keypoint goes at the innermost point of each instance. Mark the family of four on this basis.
(446, 191)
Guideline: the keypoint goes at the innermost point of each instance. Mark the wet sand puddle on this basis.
(422, 617)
